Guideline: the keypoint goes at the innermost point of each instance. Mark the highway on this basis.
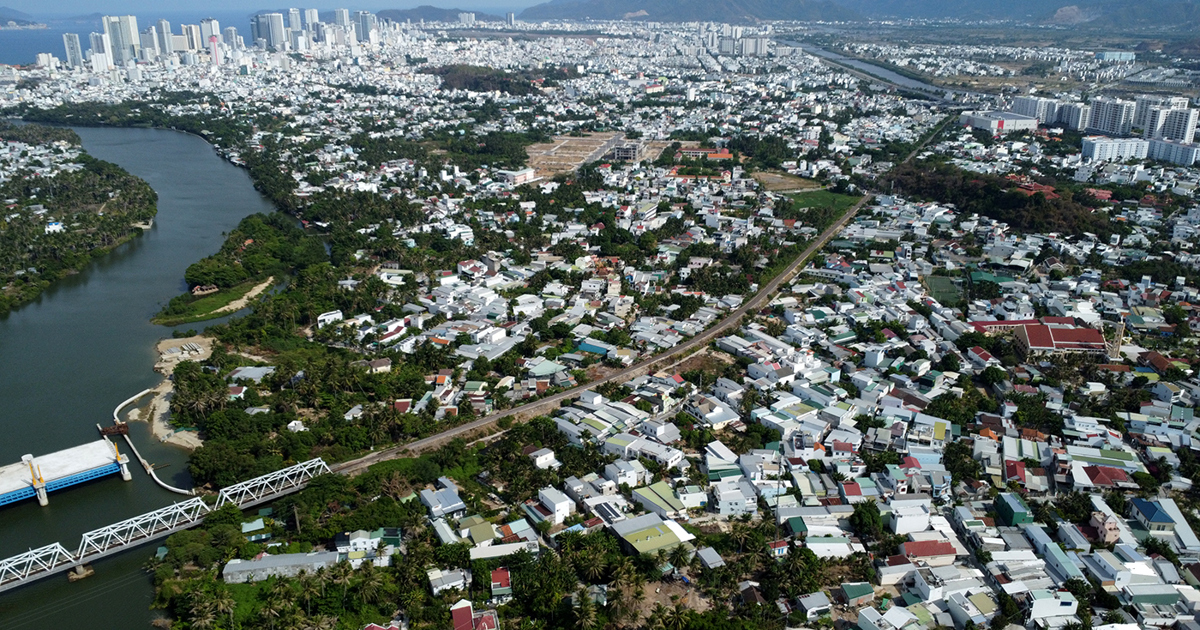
(552, 402)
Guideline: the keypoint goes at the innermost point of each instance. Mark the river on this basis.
(880, 71)
(85, 345)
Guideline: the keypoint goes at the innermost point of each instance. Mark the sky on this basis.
(71, 8)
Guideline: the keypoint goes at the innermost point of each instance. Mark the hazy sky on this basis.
(68, 8)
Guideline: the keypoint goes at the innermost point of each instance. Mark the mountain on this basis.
(691, 10)
(12, 15)
(433, 14)
(1179, 14)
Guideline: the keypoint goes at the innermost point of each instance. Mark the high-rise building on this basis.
(1145, 102)
(511, 18)
(311, 17)
(231, 37)
(1165, 123)
(341, 17)
(192, 38)
(208, 28)
(1111, 116)
(1043, 109)
(74, 50)
(1074, 115)
(123, 37)
(101, 55)
(214, 49)
(166, 44)
(271, 31)
(293, 20)
(1101, 149)
(365, 22)
(149, 43)
(466, 18)
(1183, 153)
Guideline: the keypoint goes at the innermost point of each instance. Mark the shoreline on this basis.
(158, 410)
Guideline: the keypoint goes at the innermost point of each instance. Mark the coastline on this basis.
(157, 411)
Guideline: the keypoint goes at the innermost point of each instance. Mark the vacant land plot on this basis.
(943, 289)
(783, 182)
(567, 153)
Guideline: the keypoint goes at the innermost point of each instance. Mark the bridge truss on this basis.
(262, 488)
(149, 525)
(15, 570)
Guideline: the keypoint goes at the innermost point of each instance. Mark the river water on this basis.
(879, 71)
(83, 347)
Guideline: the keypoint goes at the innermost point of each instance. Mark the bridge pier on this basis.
(39, 484)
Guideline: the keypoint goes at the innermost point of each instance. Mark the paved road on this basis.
(699, 341)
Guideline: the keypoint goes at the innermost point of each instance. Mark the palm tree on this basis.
(224, 603)
(370, 585)
(310, 588)
(681, 557)
(677, 617)
(658, 618)
(341, 576)
(594, 566)
(270, 610)
(740, 534)
(585, 611)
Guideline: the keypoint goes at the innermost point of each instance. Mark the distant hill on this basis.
(1180, 14)
(433, 14)
(691, 10)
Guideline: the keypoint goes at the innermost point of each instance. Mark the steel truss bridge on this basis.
(34, 564)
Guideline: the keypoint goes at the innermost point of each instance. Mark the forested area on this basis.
(483, 79)
(98, 206)
(37, 134)
(993, 196)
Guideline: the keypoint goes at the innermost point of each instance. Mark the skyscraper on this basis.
(293, 20)
(149, 42)
(1111, 116)
(74, 50)
(311, 17)
(101, 52)
(123, 38)
(271, 30)
(341, 17)
(166, 44)
(511, 19)
(365, 23)
(208, 28)
(231, 37)
(192, 37)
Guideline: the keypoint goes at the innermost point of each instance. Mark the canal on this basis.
(86, 344)
(880, 71)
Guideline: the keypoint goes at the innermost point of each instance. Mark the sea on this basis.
(21, 47)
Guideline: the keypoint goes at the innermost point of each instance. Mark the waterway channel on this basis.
(879, 71)
(86, 344)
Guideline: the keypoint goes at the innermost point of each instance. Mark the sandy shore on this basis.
(158, 411)
(241, 302)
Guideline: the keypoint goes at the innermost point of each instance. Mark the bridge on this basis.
(45, 561)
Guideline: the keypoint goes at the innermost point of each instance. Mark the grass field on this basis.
(203, 308)
(943, 289)
(824, 199)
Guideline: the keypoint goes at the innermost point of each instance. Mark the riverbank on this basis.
(215, 305)
(157, 411)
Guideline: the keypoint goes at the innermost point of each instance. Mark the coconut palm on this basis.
(270, 611)
(310, 588)
(340, 575)
(370, 585)
(677, 617)
(224, 603)
(585, 611)
(681, 557)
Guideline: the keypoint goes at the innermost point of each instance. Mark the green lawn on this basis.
(203, 308)
(943, 289)
(824, 199)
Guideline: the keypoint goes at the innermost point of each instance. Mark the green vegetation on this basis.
(260, 246)
(98, 205)
(992, 196)
(204, 307)
(483, 79)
